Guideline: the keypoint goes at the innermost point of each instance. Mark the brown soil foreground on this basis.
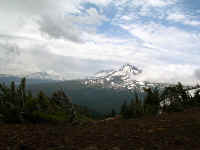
(175, 131)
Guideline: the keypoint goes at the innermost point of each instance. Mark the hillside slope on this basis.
(175, 131)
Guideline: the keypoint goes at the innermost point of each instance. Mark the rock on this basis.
(24, 147)
(150, 131)
(115, 148)
(66, 140)
(91, 148)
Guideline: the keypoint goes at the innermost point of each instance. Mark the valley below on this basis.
(104, 91)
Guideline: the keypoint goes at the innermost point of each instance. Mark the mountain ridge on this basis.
(125, 76)
(45, 76)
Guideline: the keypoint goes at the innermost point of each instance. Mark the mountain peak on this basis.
(129, 65)
(128, 68)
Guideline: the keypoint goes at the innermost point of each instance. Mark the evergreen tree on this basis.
(13, 90)
(136, 108)
(196, 98)
(152, 101)
(22, 92)
(113, 113)
(183, 94)
(177, 96)
(61, 99)
(124, 108)
(43, 102)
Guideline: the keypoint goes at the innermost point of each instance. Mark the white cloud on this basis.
(61, 36)
(170, 73)
(176, 17)
(154, 3)
(126, 18)
(161, 36)
(99, 2)
(159, 64)
(14, 13)
(182, 18)
(31, 7)
(151, 57)
(136, 9)
(93, 17)
(171, 47)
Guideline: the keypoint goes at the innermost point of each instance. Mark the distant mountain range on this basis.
(124, 77)
(45, 76)
(38, 77)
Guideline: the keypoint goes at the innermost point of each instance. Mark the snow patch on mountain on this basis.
(167, 101)
(103, 73)
(193, 91)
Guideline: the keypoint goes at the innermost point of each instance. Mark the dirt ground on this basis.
(175, 131)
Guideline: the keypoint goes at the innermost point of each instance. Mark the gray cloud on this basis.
(60, 28)
(67, 65)
(10, 49)
(70, 27)
(16, 60)
(31, 7)
(14, 37)
(8, 54)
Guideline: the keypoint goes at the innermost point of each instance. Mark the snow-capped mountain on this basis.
(124, 77)
(45, 76)
(126, 71)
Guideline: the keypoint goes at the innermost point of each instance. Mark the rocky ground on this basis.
(175, 131)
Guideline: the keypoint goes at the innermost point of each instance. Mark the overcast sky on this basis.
(76, 38)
